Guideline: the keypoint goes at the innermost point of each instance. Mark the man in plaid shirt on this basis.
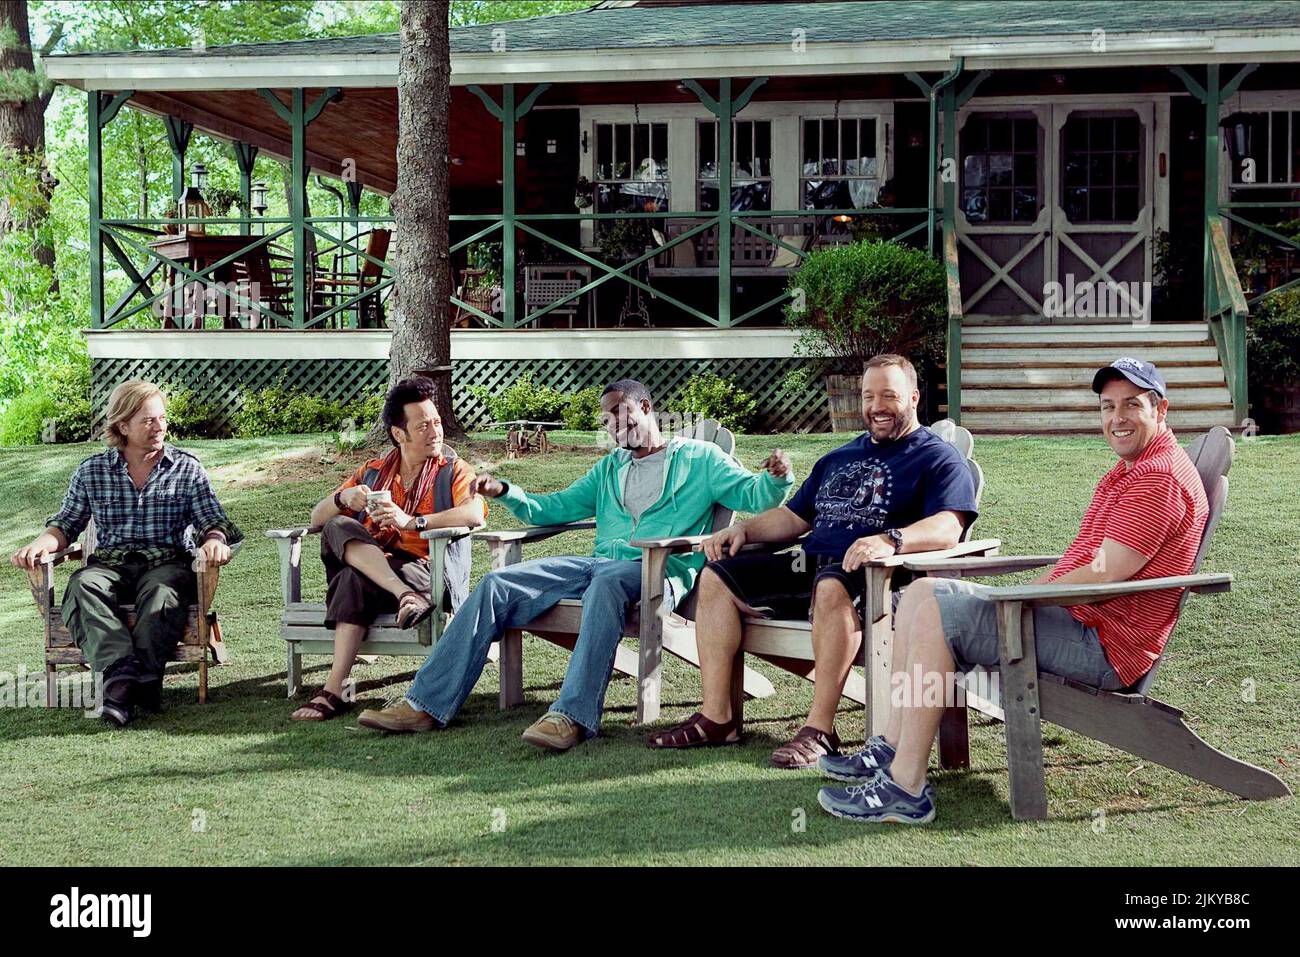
(153, 506)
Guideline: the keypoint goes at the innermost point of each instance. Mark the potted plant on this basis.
(1273, 344)
(861, 299)
(483, 277)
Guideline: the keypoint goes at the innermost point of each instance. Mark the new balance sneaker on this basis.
(879, 801)
(861, 767)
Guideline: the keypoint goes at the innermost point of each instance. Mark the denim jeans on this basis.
(515, 595)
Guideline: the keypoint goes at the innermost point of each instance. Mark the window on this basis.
(999, 173)
(1101, 174)
(1272, 139)
(631, 167)
(751, 167)
(839, 163)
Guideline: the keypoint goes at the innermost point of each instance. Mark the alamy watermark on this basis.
(83, 690)
(1098, 300)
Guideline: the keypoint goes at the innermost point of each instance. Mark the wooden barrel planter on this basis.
(1278, 408)
(845, 393)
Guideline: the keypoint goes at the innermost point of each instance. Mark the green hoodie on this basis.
(696, 476)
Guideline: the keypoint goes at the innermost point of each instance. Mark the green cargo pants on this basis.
(92, 611)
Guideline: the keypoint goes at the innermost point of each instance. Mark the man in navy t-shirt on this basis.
(896, 488)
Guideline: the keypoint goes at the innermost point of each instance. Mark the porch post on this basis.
(1211, 179)
(508, 247)
(245, 157)
(178, 139)
(96, 202)
(297, 195)
(953, 359)
(726, 110)
(354, 190)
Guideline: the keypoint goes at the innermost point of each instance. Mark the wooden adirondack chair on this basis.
(302, 624)
(788, 644)
(202, 630)
(1130, 720)
(560, 625)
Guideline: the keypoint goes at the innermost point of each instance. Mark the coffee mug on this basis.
(375, 497)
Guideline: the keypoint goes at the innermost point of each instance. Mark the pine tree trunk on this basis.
(422, 329)
(22, 118)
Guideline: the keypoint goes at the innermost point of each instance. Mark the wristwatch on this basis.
(895, 536)
(421, 523)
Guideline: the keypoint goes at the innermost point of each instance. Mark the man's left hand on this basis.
(388, 515)
(865, 550)
(213, 552)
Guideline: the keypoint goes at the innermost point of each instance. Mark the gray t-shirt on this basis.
(644, 483)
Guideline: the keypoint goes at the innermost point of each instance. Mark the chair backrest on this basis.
(964, 442)
(710, 430)
(1212, 455)
(376, 248)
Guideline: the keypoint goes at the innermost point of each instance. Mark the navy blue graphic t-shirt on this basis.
(864, 488)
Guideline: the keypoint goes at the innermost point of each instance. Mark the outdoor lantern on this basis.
(192, 204)
(1239, 136)
(257, 199)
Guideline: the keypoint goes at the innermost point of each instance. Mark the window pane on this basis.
(1126, 204)
(811, 147)
(867, 140)
(622, 151)
(1076, 169)
(604, 151)
(1026, 205)
(708, 197)
(974, 206)
(708, 150)
(1280, 166)
(999, 204)
(743, 149)
(641, 151)
(1026, 136)
(830, 148)
(1026, 171)
(1101, 169)
(1000, 135)
(1101, 205)
(1295, 147)
(1000, 169)
(763, 148)
(1101, 134)
(659, 148)
(849, 139)
(975, 170)
(1076, 203)
(1076, 135)
(1126, 133)
(1126, 169)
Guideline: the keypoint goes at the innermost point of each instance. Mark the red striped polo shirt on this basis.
(1156, 507)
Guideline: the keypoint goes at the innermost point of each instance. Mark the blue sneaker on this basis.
(861, 767)
(879, 801)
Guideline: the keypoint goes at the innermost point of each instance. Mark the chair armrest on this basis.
(677, 543)
(533, 533)
(54, 558)
(451, 531)
(990, 565)
(942, 555)
(292, 533)
(1054, 594)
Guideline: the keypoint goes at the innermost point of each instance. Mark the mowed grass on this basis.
(235, 782)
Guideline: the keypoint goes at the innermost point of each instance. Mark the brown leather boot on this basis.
(400, 718)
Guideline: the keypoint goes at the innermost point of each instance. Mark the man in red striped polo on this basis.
(1145, 521)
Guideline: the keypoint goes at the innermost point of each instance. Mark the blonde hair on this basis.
(123, 404)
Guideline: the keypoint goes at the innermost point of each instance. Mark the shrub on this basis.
(1273, 340)
(277, 411)
(23, 421)
(582, 413)
(522, 400)
(57, 411)
(711, 397)
(363, 413)
(190, 417)
(862, 299)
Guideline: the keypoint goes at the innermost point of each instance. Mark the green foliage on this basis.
(712, 397)
(278, 411)
(55, 409)
(24, 419)
(1273, 340)
(191, 417)
(862, 299)
(523, 400)
(582, 412)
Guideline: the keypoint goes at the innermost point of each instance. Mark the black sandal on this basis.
(417, 617)
(331, 707)
(696, 731)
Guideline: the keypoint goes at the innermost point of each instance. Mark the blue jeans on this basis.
(513, 596)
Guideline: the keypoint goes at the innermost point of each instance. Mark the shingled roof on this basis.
(741, 24)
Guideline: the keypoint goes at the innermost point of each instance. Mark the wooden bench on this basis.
(751, 255)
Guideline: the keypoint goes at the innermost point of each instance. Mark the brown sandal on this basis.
(416, 617)
(331, 707)
(805, 749)
(697, 731)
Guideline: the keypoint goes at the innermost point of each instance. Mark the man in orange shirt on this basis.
(375, 560)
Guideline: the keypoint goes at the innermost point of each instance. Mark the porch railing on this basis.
(1227, 312)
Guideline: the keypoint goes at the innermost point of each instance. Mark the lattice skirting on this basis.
(221, 381)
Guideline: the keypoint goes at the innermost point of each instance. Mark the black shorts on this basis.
(781, 585)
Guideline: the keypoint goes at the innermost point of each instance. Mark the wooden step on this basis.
(1036, 354)
(1033, 423)
(1072, 398)
(1079, 377)
(1131, 337)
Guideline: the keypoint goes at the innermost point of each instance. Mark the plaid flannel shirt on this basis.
(153, 521)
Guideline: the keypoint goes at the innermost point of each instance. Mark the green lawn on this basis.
(73, 791)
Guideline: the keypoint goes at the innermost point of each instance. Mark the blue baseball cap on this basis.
(1140, 373)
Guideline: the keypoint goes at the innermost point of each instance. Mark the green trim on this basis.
(245, 158)
(489, 103)
(95, 198)
(178, 141)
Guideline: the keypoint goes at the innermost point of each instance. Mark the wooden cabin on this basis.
(1067, 162)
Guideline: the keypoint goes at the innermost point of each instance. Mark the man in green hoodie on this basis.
(648, 487)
